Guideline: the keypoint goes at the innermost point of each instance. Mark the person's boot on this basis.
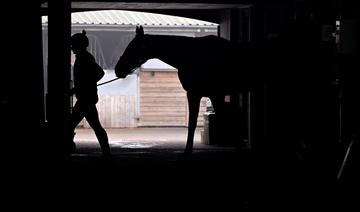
(105, 147)
(71, 146)
(106, 153)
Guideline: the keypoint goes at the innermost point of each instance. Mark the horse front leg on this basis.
(194, 104)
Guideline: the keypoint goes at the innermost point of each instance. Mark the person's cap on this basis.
(80, 39)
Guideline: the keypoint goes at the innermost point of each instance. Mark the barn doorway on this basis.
(152, 102)
(135, 104)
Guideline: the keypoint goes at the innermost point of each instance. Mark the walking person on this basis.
(86, 75)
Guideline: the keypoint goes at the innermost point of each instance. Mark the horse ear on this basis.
(139, 30)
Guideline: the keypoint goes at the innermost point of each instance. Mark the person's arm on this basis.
(99, 72)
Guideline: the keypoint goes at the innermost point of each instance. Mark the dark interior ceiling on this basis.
(156, 4)
(153, 5)
(199, 9)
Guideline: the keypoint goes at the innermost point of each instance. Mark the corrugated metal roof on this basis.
(122, 17)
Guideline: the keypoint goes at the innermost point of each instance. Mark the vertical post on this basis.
(21, 85)
(349, 51)
(234, 26)
(257, 23)
(225, 24)
(58, 102)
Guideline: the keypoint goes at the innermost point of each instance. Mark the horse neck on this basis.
(166, 47)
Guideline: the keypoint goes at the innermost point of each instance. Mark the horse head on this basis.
(134, 55)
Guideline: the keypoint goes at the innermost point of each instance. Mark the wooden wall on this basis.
(161, 102)
(116, 112)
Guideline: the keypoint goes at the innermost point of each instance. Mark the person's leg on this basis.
(93, 119)
(76, 116)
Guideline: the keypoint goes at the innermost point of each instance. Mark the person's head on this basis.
(79, 41)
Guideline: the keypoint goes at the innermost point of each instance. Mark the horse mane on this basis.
(186, 45)
(179, 40)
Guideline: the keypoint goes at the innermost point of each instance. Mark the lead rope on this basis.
(72, 96)
(103, 83)
(136, 71)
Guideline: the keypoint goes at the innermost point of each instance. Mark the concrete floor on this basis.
(146, 166)
(147, 159)
(146, 173)
(166, 134)
(146, 146)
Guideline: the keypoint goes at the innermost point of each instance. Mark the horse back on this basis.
(218, 65)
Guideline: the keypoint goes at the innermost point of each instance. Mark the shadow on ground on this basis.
(219, 176)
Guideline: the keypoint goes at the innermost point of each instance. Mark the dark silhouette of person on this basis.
(86, 75)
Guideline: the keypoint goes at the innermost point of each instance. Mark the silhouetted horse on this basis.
(207, 66)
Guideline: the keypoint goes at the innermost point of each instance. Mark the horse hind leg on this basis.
(194, 104)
